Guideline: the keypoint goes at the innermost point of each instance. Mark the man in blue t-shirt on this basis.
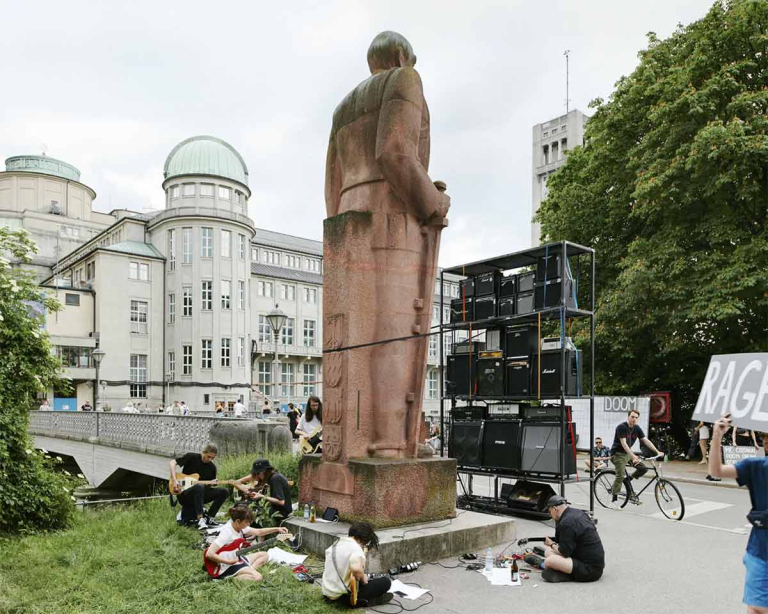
(752, 473)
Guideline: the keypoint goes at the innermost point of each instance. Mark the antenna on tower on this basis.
(567, 53)
(44, 148)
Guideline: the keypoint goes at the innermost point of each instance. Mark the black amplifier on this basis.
(544, 412)
(470, 412)
(465, 347)
(548, 268)
(462, 310)
(525, 282)
(524, 303)
(507, 306)
(518, 378)
(520, 341)
(548, 294)
(490, 374)
(486, 283)
(467, 287)
(462, 374)
(485, 307)
(551, 378)
(508, 286)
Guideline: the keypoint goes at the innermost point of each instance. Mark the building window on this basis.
(175, 191)
(187, 298)
(313, 265)
(287, 379)
(310, 373)
(207, 295)
(265, 377)
(241, 351)
(226, 294)
(172, 365)
(265, 288)
(206, 399)
(171, 308)
(224, 193)
(226, 351)
(545, 154)
(206, 189)
(563, 147)
(264, 329)
(269, 257)
(187, 245)
(90, 271)
(139, 311)
(226, 244)
(75, 357)
(206, 248)
(255, 254)
(432, 385)
(241, 295)
(555, 152)
(138, 376)
(287, 292)
(172, 250)
(455, 290)
(309, 333)
(206, 354)
(287, 331)
(189, 189)
(239, 198)
(433, 347)
(138, 270)
(186, 356)
(310, 295)
(292, 261)
(72, 300)
(241, 246)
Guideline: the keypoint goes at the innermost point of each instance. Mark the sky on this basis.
(112, 87)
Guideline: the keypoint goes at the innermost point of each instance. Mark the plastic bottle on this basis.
(306, 512)
(489, 560)
(312, 512)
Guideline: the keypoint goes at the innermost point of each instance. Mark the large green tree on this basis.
(671, 189)
(32, 496)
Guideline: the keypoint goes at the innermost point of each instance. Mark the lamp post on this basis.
(276, 319)
(97, 355)
(167, 396)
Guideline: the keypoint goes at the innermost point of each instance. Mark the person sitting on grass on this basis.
(262, 476)
(345, 563)
(228, 564)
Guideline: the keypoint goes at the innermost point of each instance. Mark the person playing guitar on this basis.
(263, 475)
(344, 577)
(223, 551)
(310, 426)
(193, 499)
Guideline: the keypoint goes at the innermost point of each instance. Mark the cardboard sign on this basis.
(736, 384)
(734, 454)
(619, 404)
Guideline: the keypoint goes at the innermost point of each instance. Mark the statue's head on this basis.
(390, 50)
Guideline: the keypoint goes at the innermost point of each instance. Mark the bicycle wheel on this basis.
(603, 488)
(669, 500)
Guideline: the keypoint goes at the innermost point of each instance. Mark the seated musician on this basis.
(229, 565)
(193, 499)
(310, 424)
(345, 562)
(263, 475)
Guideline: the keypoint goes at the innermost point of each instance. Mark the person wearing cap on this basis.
(279, 496)
(576, 553)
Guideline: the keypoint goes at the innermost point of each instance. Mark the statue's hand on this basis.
(443, 205)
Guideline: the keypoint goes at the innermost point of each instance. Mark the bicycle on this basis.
(668, 497)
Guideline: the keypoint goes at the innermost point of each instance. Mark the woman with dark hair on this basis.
(312, 418)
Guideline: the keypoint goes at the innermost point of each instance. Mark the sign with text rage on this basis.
(736, 384)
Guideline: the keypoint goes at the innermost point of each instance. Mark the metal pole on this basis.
(592, 393)
(441, 371)
(567, 81)
(276, 369)
(96, 388)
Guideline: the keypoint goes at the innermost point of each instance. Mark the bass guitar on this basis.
(305, 443)
(185, 482)
(237, 547)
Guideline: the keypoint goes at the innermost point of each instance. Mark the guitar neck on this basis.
(260, 546)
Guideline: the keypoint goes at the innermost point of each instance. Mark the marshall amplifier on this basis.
(541, 449)
(549, 294)
(508, 286)
(548, 268)
(486, 283)
(544, 412)
(469, 412)
(518, 378)
(465, 444)
(524, 303)
(520, 341)
(525, 282)
(469, 346)
(507, 306)
(551, 380)
(485, 307)
(462, 310)
(490, 374)
(462, 374)
(501, 445)
(467, 287)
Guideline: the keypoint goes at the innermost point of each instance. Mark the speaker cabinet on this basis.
(525, 282)
(508, 286)
(467, 287)
(518, 378)
(548, 268)
(462, 310)
(549, 294)
(501, 444)
(507, 306)
(520, 341)
(485, 307)
(465, 444)
(469, 412)
(490, 376)
(524, 303)
(468, 346)
(551, 377)
(486, 284)
(462, 374)
(541, 449)
(528, 496)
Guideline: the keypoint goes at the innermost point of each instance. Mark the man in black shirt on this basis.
(279, 490)
(621, 452)
(204, 491)
(576, 553)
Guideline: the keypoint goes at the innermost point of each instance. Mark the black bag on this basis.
(759, 520)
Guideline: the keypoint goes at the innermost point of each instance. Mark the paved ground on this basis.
(653, 564)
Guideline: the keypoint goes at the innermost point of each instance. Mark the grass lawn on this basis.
(135, 559)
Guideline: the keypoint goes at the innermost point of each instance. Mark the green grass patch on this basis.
(134, 558)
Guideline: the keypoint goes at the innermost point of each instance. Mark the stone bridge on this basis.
(108, 447)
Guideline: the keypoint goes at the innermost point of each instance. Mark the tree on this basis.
(671, 189)
(32, 497)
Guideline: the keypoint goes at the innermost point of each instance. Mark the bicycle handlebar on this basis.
(657, 457)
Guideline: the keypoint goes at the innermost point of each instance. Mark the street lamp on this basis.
(276, 319)
(167, 398)
(97, 355)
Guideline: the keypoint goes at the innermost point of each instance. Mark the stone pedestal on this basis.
(384, 492)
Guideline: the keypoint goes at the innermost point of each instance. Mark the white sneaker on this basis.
(178, 517)
(202, 524)
(614, 505)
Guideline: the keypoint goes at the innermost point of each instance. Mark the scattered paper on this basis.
(278, 555)
(501, 576)
(406, 590)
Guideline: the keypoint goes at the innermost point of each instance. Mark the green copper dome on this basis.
(206, 155)
(44, 165)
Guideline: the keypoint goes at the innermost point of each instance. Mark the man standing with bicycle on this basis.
(621, 452)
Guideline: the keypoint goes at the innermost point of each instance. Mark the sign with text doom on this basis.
(736, 384)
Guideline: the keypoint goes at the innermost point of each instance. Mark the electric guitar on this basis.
(308, 448)
(184, 482)
(236, 546)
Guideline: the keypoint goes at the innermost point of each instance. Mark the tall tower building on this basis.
(551, 141)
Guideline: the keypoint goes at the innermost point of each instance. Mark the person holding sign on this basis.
(752, 473)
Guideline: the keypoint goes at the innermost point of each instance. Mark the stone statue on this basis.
(381, 243)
